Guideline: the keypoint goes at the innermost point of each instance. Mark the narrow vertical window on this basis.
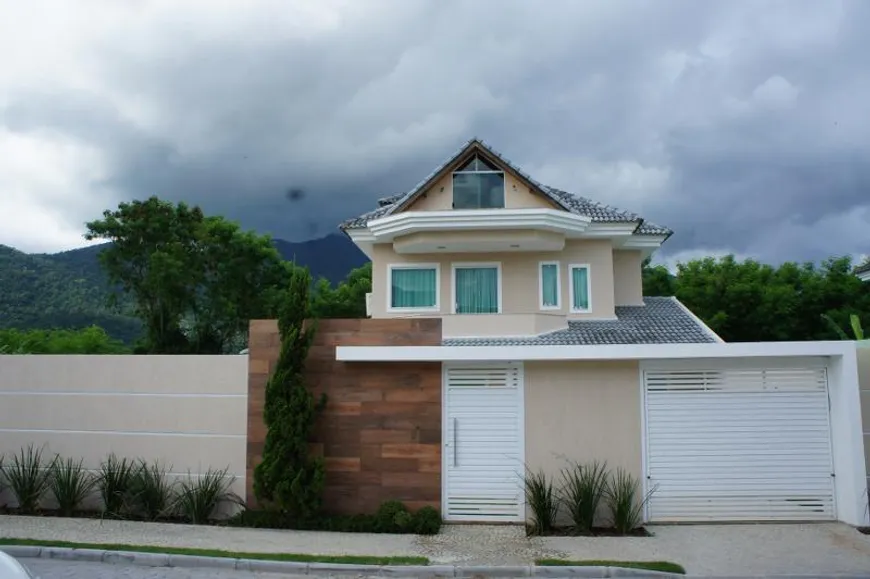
(549, 279)
(580, 289)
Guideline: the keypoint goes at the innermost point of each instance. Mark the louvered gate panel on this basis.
(730, 445)
(483, 460)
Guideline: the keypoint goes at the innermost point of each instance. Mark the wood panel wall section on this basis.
(380, 433)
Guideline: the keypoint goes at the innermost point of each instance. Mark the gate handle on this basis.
(455, 427)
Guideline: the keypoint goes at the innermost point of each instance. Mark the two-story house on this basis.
(498, 256)
(521, 339)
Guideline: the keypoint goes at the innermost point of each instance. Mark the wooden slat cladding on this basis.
(380, 433)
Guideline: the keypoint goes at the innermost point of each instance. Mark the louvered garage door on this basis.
(482, 450)
(748, 444)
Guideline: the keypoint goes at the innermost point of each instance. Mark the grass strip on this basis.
(664, 566)
(294, 557)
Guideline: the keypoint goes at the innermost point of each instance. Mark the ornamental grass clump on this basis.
(71, 484)
(151, 492)
(200, 496)
(28, 477)
(624, 499)
(583, 488)
(542, 498)
(115, 482)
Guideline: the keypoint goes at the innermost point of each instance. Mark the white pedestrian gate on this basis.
(483, 442)
(738, 444)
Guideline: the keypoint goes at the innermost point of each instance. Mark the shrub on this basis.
(199, 497)
(584, 485)
(402, 521)
(541, 498)
(70, 484)
(28, 477)
(426, 521)
(624, 500)
(115, 483)
(151, 492)
(389, 514)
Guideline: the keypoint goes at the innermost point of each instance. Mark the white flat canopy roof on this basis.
(602, 352)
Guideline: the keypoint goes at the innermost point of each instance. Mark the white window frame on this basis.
(558, 305)
(571, 269)
(473, 265)
(394, 266)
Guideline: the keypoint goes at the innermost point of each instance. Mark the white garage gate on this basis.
(738, 444)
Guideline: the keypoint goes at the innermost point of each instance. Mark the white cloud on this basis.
(39, 176)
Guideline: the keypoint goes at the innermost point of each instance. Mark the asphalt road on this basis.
(53, 569)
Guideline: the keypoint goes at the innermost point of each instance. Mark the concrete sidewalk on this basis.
(710, 550)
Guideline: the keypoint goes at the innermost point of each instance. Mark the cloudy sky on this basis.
(744, 126)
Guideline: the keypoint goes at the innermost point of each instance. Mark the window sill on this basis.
(433, 310)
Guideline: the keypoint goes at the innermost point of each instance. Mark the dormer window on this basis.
(478, 185)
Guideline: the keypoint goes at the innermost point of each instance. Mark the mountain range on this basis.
(70, 290)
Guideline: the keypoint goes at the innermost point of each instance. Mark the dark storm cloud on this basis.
(740, 125)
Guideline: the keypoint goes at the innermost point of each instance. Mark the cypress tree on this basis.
(288, 477)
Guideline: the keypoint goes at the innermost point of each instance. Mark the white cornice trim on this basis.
(602, 352)
(361, 236)
(644, 242)
(610, 229)
(386, 228)
(864, 275)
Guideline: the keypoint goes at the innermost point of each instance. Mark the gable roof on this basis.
(661, 320)
(568, 201)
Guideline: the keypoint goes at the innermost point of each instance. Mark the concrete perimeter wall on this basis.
(864, 385)
(188, 412)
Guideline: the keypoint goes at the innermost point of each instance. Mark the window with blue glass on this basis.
(476, 290)
(550, 286)
(478, 184)
(580, 288)
(414, 287)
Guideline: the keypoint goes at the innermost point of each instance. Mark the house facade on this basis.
(508, 331)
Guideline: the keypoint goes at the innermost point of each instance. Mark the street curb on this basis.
(293, 567)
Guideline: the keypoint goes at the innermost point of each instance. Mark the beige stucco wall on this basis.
(864, 384)
(520, 281)
(627, 278)
(188, 412)
(583, 411)
(439, 197)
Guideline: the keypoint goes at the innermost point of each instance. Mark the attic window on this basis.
(478, 184)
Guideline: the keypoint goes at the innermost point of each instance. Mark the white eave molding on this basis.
(601, 352)
(864, 275)
(387, 228)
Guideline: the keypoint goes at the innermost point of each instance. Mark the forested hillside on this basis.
(69, 289)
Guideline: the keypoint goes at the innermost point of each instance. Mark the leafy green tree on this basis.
(91, 340)
(288, 477)
(748, 301)
(348, 300)
(195, 281)
(657, 280)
